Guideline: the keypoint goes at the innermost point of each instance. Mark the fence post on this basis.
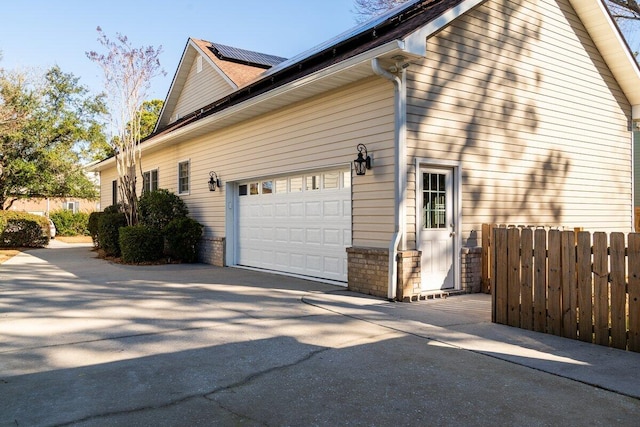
(618, 291)
(569, 291)
(486, 257)
(634, 291)
(601, 288)
(585, 293)
(499, 280)
(540, 281)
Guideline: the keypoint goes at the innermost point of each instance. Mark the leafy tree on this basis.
(42, 120)
(128, 72)
(149, 114)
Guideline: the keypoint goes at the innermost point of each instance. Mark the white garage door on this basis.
(298, 224)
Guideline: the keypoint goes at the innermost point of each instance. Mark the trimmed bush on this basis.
(20, 229)
(183, 238)
(157, 208)
(140, 244)
(92, 227)
(109, 225)
(70, 224)
(117, 208)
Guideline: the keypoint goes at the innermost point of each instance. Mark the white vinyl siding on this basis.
(319, 133)
(533, 115)
(200, 89)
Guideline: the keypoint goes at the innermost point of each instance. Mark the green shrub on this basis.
(92, 227)
(20, 229)
(117, 208)
(157, 208)
(183, 238)
(109, 225)
(140, 244)
(70, 224)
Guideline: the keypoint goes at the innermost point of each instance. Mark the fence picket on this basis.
(513, 288)
(526, 279)
(601, 288)
(634, 291)
(540, 281)
(585, 288)
(569, 298)
(618, 291)
(554, 308)
(499, 280)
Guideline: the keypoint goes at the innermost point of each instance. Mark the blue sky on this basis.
(41, 33)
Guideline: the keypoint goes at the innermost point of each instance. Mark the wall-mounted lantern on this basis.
(213, 181)
(363, 162)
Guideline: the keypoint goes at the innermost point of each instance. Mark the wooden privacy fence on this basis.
(567, 283)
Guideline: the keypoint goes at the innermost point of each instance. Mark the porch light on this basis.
(213, 181)
(363, 162)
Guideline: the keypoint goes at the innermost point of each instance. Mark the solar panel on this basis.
(246, 56)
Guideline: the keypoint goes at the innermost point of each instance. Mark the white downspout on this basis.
(400, 170)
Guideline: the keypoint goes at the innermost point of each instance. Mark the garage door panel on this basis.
(301, 232)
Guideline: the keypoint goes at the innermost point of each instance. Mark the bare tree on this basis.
(624, 9)
(128, 72)
(366, 9)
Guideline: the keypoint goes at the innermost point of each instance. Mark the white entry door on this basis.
(436, 228)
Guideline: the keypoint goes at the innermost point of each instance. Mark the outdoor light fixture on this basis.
(213, 181)
(363, 162)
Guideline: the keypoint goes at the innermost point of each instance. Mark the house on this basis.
(468, 112)
(43, 206)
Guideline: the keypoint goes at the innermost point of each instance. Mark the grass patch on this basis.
(75, 239)
(6, 254)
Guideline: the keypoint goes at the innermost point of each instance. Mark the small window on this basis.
(331, 180)
(242, 190)
(71, 206)
(295, 184)
(199, 64)
(183, 177)
(312, 182)
(281, 186)
(267, 187)
(254, 188)
(150, 181)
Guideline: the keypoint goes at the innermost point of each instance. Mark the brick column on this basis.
(409, 275)
(368, 270)
(212, 251)
(471, 269)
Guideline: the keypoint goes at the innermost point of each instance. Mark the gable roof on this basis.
(236, 66)
(403, 31)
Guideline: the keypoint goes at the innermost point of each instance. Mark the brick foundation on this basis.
(471, 269)
(212, 251)
(409, 275)
(368, 271)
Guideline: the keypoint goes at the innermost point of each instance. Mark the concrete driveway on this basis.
(85, 342)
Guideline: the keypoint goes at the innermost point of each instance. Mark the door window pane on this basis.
(281, 186)
(331, 180)
(435, 201)
(296, 184)
(267, 187)
(312, 182)
(242, 190)
(254, 188)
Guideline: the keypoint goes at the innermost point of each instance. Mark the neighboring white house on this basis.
(471, 112)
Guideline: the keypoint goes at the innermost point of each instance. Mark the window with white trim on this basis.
(150, 181)
(184, 170)
(114, 192)
(71, 206)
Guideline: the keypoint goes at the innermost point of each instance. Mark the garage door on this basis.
(298, 224)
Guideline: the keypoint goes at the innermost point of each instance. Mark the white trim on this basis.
(456, 168)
